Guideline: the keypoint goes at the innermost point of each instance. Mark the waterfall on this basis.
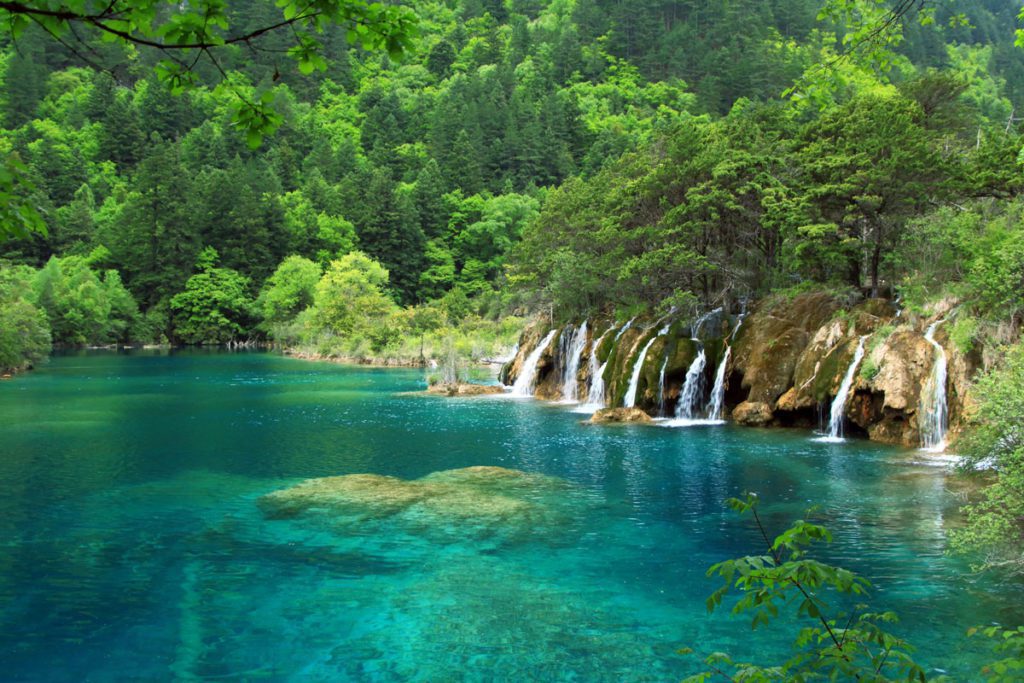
(595, 394)
(630, 400)
(693, 386)
(661, 386)
(717, 401)
(934, 415)
(835, 421)
(527, 380)
(718, 391)
(570, 381)
(629, 324)
(739, 323)
(695, 334)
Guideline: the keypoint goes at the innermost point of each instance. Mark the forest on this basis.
(526, 155)
(424, 195)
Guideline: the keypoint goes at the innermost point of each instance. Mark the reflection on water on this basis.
(134, 546)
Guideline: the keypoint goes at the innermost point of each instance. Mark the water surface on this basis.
(131, 545)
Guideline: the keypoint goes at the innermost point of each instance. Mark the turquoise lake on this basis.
(132, 546)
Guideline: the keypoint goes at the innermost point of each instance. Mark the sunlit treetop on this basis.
(869, 33)
(186, 34)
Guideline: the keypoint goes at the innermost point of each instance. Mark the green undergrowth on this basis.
(470, 341)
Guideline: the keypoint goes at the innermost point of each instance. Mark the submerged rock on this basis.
(464, 389)
(474, 502)
(620, 415)
(369, 493)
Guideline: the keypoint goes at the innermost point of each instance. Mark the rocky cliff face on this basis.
(786, 363)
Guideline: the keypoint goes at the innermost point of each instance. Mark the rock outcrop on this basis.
(769, 344)
(753, 414)
(464, 389)
(786, 363)
(528, 341)
(620, 415)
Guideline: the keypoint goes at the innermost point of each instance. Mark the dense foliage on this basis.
(592, 154)
(765, 198)
(573, 156)
(434, 165)
(996, 521)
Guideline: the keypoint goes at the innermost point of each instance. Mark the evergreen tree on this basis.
(428, 196)
(391, 234)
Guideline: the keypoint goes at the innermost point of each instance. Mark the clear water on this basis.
(132, 548)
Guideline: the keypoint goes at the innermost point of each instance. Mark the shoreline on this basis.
(424, 363)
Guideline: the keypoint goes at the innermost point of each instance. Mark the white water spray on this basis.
(717, 402)
(934, 414)
(630, 400)
(526, 382)
(595, 394)
(570, 382)
(835, 421)
(693, 386)
(739, 324)
(661, 386)
(629, 324)
(695, 333)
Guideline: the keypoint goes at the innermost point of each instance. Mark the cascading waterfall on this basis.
(739, 323)
(835, 421)
(570, 382)
(693, 386)
(629, 324)
(526, 382)
(703, 319)
(935, 413)
(661, 386)
(630, 399)
(717, 401)
(595, 394)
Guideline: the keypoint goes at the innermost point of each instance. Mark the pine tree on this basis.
(390, 233)
(428, 196)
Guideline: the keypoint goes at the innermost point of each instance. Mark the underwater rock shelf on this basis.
(472, 502)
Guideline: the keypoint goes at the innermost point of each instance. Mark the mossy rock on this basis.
(620, 416)
(474, 502)
(878, 308)
(528, 341)
(772, 339)
(832, 370)
(608, 343)
(464, 389)
(620, 362)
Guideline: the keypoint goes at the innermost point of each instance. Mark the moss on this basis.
(683, 353)
(607, 344)
(963, 333)
(781, 296)
(650, 374)
(618, 360)
(879, 308)
(832, 365)
(869, 369)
